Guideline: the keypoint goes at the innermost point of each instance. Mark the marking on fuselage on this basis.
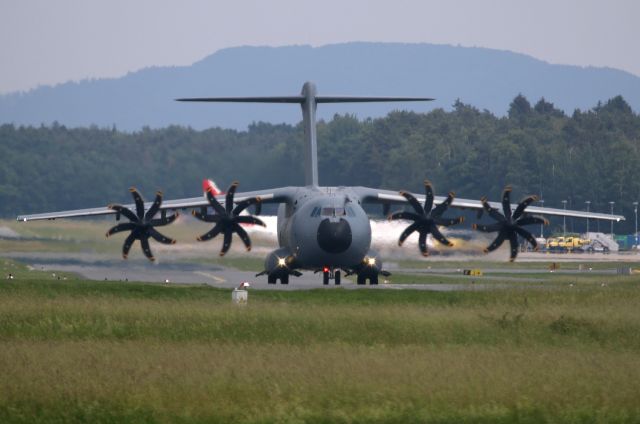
(209, 275)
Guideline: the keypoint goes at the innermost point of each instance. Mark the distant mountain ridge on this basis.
(484, 78)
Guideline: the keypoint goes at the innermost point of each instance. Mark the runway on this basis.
(96, 268)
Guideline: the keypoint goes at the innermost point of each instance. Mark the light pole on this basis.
(612, 203)
(635, 210)
(541, 225)
(588, 202)
(564, 219)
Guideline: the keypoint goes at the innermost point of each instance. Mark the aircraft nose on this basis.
(334, 237)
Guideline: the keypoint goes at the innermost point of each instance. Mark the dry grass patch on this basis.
(74, 351)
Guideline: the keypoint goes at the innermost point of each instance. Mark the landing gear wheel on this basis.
(284, 279)
(271, 279)
(373, 280)
(336, 277)
(325, 278)
(362, 280)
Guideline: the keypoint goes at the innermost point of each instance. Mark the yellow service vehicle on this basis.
(567, 244)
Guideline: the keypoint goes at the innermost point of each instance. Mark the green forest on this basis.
(591, 155)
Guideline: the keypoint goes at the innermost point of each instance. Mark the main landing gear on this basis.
(363, 277)
(273, 278)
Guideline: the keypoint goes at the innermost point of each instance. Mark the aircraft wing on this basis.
(278, 195)
(371, 195)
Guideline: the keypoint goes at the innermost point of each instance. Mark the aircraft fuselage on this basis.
(324, 227)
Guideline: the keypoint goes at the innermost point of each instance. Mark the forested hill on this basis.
(486, 78)
(591, 155)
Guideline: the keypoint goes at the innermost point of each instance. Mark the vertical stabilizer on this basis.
(309, 106)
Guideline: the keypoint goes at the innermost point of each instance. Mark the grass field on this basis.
(78, 351)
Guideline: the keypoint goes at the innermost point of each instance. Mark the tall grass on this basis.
(116, 352)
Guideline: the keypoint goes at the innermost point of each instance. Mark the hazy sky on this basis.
(48, 42)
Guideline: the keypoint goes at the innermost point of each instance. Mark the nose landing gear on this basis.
(330, 274)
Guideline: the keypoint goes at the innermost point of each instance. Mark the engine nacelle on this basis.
(370, 266)
(279, 262)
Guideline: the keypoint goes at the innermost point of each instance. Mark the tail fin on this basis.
(308, 99)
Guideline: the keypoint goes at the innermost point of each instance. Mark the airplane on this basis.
(320, 229)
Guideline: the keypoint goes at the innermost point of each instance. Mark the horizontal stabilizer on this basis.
(272, 99)
(301, 99)
(367, 99)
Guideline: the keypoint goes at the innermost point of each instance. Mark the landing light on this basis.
(371, 261)
(282, 262)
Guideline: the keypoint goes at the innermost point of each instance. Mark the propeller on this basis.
(509, 225)
(141, 225)
(228, 219)
(426, 219)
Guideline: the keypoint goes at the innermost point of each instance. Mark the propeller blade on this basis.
(146, 249)
(124, 211)
(243, 236)
(438, 236)
(120, 227)
(257, 208)
(157, 236)
(214, 202)
(226, 243)
(493, 212)
(428, 202)
(138, 201)
(211, 233)
(155, 207)
(506, 202)
(127, 244)
(408, 216)
(166, 221)
(439, 210)
(448, 222)
(229, 198)
(407, 232)
(528, 237)
(413, 202)
(502, 236)
(528, 220)
(523, 205)
(422, 243)
(513, 242)
(247, 219)
(241, 206)
(206, 217)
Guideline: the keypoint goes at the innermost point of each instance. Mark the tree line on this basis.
(591, 155)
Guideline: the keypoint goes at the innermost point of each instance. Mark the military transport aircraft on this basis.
(321, 229)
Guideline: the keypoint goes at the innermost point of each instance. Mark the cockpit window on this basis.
(333, 212)
(315, 212)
